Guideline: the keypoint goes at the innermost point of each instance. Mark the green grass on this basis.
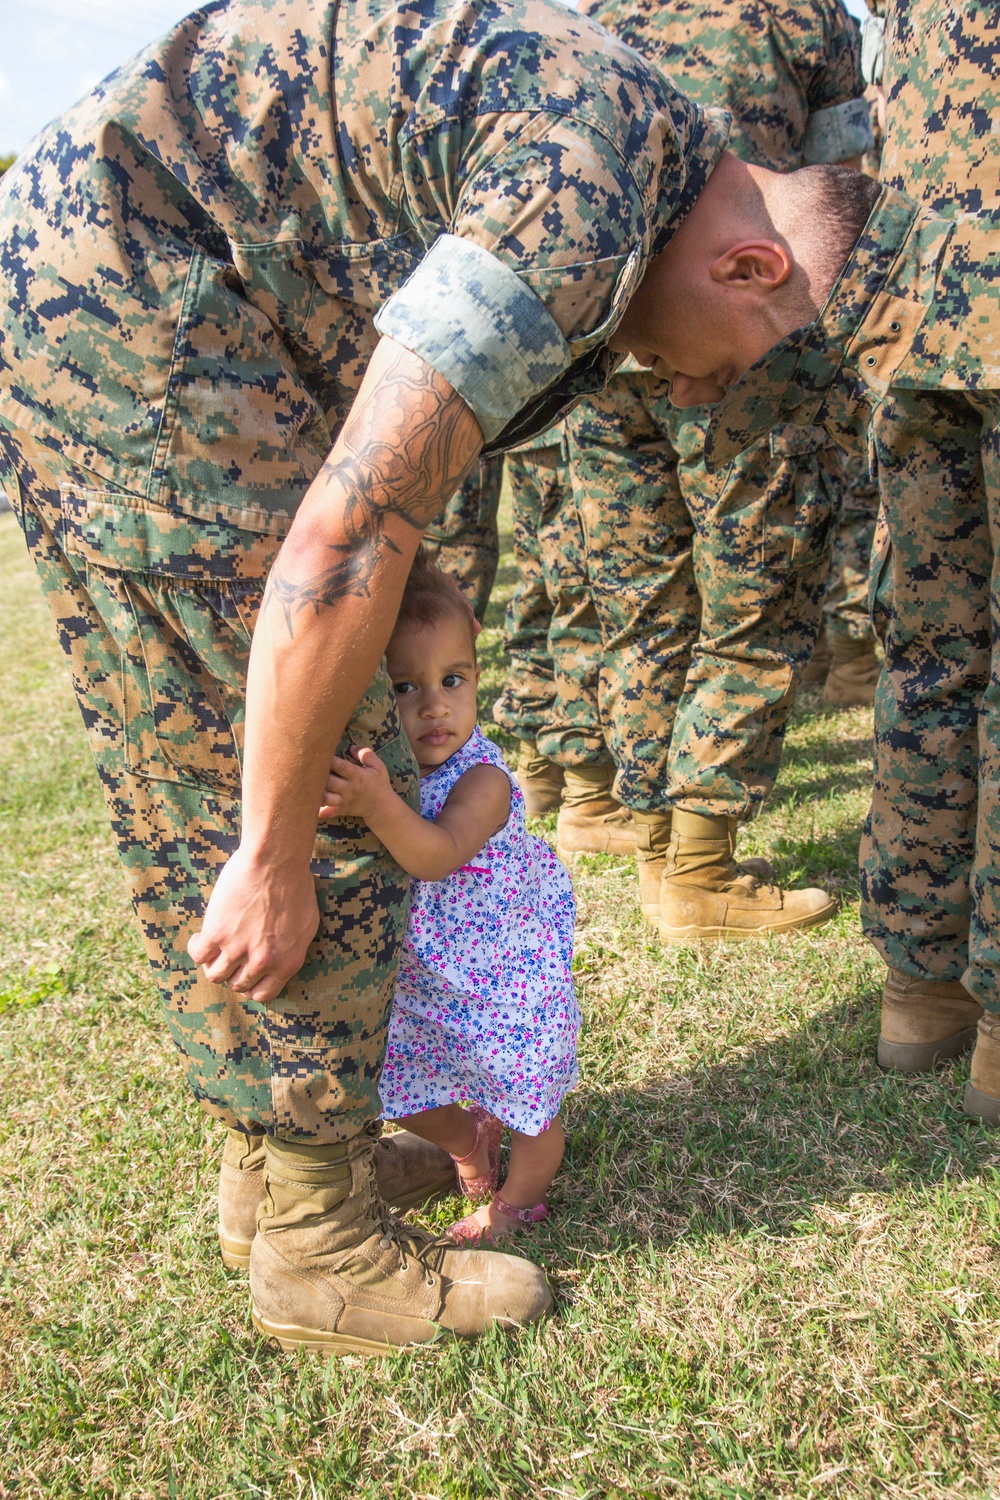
(776, 1268)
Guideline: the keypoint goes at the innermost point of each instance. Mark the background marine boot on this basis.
(924, 1022)
(409, 1172)
(652, 831)
(540, 780)
(853, 674)
(815, 671)
(706, 896)
(982, 1092)
(592, 820)
(241, 1188)
(331, 1270)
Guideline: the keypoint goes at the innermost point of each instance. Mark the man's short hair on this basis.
(842, 201)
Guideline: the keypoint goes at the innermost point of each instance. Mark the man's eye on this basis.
(452, 679)
(401, 688)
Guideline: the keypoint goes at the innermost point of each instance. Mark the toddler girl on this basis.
(484, 1008)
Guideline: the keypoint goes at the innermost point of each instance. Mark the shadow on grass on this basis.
(810, 772)
(760, 1142)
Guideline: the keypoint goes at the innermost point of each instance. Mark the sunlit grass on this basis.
(776, 1268)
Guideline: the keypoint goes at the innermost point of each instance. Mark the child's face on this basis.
(435, 677)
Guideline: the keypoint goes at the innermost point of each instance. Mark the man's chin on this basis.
(684, 401)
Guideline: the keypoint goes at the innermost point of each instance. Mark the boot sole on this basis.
(236, 1253)
(292, 1337)
(981, 1106)
(924, 1057)
(692, 935)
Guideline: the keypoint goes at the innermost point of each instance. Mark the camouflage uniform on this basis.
(931, 856)
(845, 607)
(910, 339)
(196, 264)
(845, 604)
(551, 630)
(709, 602)
(463, 539)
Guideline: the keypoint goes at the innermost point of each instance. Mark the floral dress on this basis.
(484, 1008)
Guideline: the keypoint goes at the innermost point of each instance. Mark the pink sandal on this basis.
(469, 1231)
(489, 1130)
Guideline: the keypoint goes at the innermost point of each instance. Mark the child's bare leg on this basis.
(452, 1128)
(534, 1161)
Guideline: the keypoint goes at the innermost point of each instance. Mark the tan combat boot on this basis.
(591, 820)
(331, 1269)
(854, 670)
(924, 1022)
(816, 668)
(705, 896)
(653, 841)
(241, 1188)
(540, 780)
(409, 1172)
(652, 830)
(982, 1092)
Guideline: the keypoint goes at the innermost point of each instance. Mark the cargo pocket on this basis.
(805, 485)
(327, 1028)
(180, 597)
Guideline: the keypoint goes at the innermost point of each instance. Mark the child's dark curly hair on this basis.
(431, 595)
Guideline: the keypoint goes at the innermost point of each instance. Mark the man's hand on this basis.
(356, 787)
(258, 926)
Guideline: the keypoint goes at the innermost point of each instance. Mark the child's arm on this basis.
(478, 806)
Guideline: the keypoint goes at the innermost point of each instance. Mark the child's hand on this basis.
(355, 786)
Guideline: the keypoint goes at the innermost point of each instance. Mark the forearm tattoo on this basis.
(403, 453)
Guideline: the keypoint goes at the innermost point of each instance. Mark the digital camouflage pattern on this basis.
(789, 75)
(463, 539)
(931, 855)
(845, 604)
(217, 239)
(708, 593)
(709, 608)
(940, 81)
(551, 629)
(155, 614)
(195, 264)
(910, 340)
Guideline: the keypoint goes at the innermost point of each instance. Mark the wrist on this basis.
(266, 853)
(384, 809)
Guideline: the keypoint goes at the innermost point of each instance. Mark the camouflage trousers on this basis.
(155, 612)
(846, 607)
(930, 858)
(463, 538)
(551, 630)
(707, 596)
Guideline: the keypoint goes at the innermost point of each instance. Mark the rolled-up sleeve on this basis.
(839, 133)
(547, 236)
(477, 323)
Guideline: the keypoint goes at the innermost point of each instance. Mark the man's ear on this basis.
(761, 264)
